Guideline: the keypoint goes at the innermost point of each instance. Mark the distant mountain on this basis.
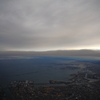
(93, 53)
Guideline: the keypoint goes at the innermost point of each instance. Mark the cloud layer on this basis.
(49, 24)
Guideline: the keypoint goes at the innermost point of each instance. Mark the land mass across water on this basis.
(60, 53)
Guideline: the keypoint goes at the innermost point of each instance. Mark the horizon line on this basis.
(47, 50)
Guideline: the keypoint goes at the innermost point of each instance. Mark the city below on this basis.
(82, 84)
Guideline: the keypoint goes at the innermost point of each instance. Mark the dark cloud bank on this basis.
(65, 53)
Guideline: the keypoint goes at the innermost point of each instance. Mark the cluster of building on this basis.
(26, 91)
(83, 77)
(22, 90)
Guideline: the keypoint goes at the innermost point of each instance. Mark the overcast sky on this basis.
(49, 24)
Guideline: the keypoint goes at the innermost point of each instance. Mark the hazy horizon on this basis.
(49, 50)
(57, 53)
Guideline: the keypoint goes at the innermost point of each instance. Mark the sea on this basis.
(38, 69)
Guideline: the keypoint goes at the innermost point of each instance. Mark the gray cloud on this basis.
(49, 24)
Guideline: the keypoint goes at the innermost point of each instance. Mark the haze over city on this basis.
(42, 25)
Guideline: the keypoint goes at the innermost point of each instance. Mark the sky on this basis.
(40, 25)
